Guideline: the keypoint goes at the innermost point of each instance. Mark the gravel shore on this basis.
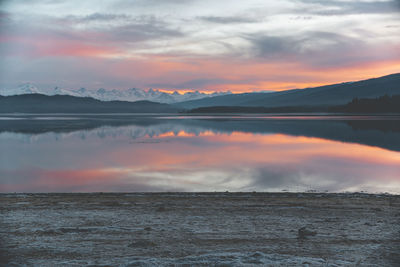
(218, 229)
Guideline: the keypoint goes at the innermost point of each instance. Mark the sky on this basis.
(204, 45)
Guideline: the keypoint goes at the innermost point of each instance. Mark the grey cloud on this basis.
(142, 31)
(273, 46)
(133, 28)
(4, 14)
(335, 7)
(96, 17)
(198, 83)
(202, 82)
(195, 83)
(5, 18)
(392, 26)
(227, 20)
(150, 3)
(124, 27)
(321, 49)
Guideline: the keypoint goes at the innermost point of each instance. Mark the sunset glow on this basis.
(199, 132)
(194, 45)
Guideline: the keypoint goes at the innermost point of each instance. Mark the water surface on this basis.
(199, 153)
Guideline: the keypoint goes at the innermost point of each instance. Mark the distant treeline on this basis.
(383, 104)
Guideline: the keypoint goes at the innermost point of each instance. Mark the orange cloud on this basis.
(239, 77)
(187, 73)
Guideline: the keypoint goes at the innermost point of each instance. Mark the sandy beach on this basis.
(220, 229)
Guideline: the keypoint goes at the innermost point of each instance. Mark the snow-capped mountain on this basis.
(136, 94)
(132, 94)
(26, 88)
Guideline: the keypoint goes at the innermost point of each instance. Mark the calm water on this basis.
(141, 153)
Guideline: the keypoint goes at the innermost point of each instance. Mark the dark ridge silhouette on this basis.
(38, 103)
(383, 104)
(329, 95)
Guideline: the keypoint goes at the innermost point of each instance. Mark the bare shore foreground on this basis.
(210, 229)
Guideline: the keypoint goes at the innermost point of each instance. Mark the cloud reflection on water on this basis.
(176, 157)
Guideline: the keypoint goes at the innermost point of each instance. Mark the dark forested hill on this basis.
(37, 103)
(330, 95)
(383, 104)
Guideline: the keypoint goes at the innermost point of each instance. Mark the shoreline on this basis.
(310, 193)
(315, 229)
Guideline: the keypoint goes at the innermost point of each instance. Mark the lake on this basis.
(154, 153)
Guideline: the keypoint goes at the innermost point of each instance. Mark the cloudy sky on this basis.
(205, 45)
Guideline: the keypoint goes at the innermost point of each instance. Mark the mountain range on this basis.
(131, 95)
(322, 98)
(329, 95)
